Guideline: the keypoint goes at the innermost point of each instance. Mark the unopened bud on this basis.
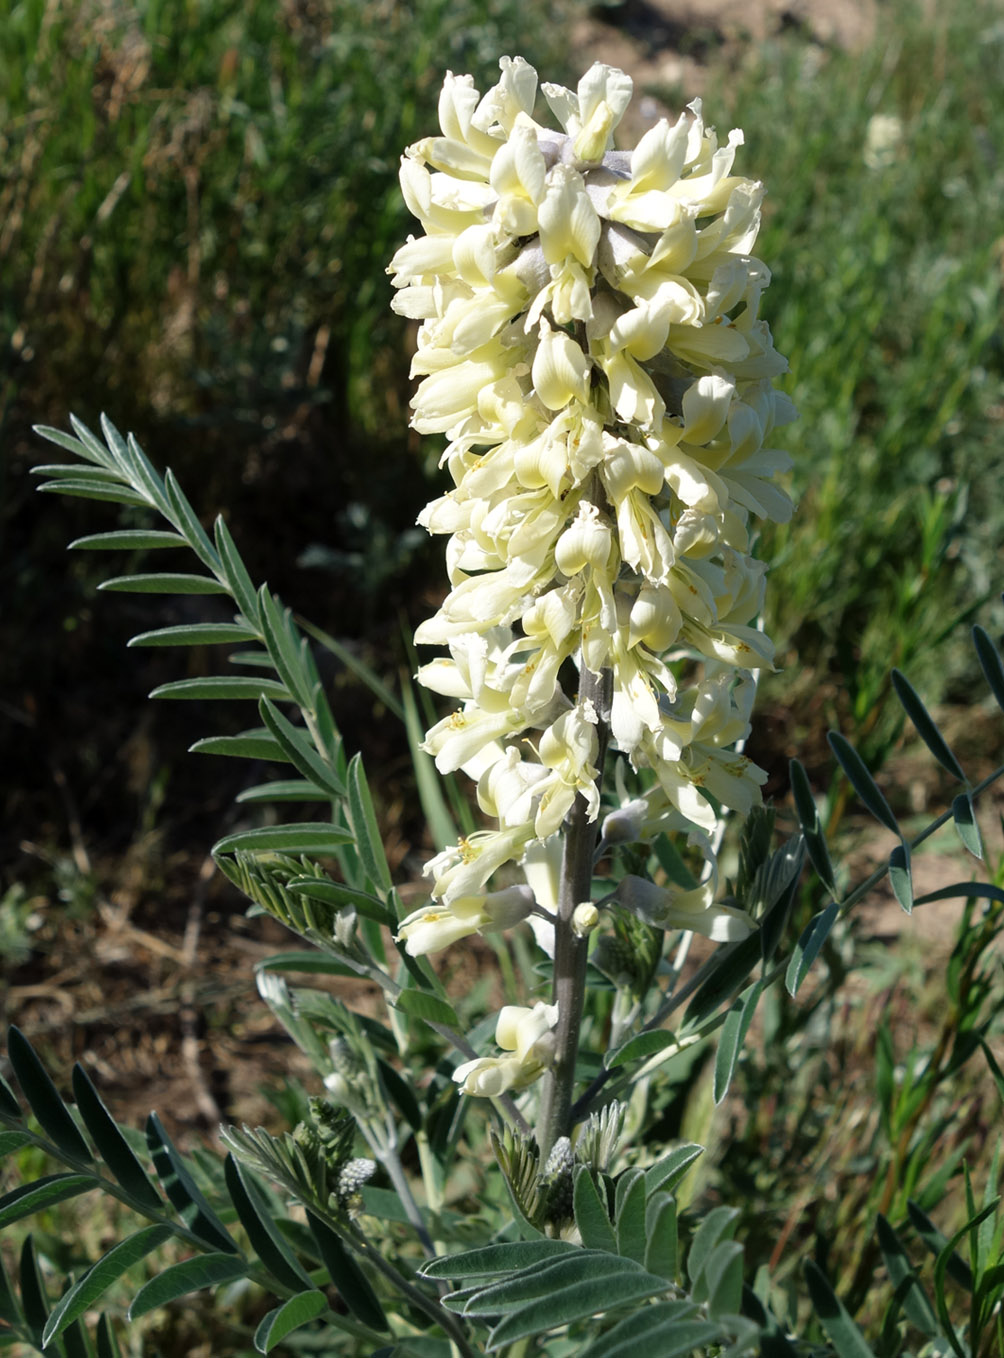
(623, 826)
(585, 918)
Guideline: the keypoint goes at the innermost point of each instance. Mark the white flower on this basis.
(434, 926)
(528, 1034)
(592, 347)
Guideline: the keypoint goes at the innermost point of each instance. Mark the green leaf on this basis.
(337, 893)
(183, 1191)
(351, 1282)
(401, 1094)
(283, 649)
(990, 664)
(222, 686)
(664, 1330)
(28, 1198)
(253, 744)
(128, 540)
(909, 1292)
(82, 489)
(282, 790)
(966, 890)
(9, 1106)
(312, 962)
(955, 1266)
(364, 825)
(136, 466)
(718, 1224)
(926, 726)
(111, 1144)
(435, 810)
(966, 825)
(642, 1044)
(666, 1173)
(629, 1216)
(236, 574)
(76, 1341)
(946, 1262)
(192, 1275)
(732, 1037)
(100, 1276)
(573, 1303)
(108, 1346)
(187, 522)
(163, 582)
(806, 950)
(92, 451)
(901, 876)
(593, 1268)
(98, 476)
(10, 1312)
(298, 837)
(730, 967)
(490, 1260)
(840, 1329)
(808, 819)
(43, 1099)
(591, 1216)
(297, 1311)
(300, 751)
(266, 1239)
(358, 667)
(194, 634)
(662, 1249)
(423, 1005)
(722, 1279)
(34, 1301)
(862, 781)
(13, 1141)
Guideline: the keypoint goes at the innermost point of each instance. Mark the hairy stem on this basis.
(570, 951)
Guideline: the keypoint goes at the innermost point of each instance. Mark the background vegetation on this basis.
(197, 203)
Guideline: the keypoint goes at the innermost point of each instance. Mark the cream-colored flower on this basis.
(434, 927)
(591, 346)
(528, 1034)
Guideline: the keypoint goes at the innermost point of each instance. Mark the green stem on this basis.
(570, 951)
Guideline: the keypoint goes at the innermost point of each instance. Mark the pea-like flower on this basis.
(591, 345)
(528, 1036)
(437, 926)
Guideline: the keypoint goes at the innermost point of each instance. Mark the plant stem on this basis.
(570, 951)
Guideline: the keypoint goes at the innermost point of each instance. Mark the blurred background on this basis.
(198, 200)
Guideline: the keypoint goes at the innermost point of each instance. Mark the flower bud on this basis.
(585, 918)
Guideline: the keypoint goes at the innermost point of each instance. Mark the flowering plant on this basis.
(591, 345)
